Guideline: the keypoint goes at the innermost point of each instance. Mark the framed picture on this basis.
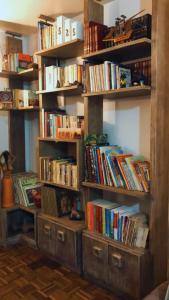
(33, 195)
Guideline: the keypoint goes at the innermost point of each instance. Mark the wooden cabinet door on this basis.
(46, 236)
(65, 246)
(95, 259)
(124, 272)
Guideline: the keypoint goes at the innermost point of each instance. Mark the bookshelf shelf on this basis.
(123, 92)
(117, 244)
(21, 109)
(48, 139)
(29, 74)
(128, 51)
(115, 190)
(66, 222)
(60, 186)
(66, 50)
(71, 90)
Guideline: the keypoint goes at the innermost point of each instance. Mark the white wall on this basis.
(127, 122)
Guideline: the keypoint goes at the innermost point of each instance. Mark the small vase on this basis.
(7, 191)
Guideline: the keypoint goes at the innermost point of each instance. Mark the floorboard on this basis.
(27, 274)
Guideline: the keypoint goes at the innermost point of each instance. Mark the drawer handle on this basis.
(117, 260)
(47, 230)
(97, 252)
(60, 236)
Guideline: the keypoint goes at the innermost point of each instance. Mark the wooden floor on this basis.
(27, 274)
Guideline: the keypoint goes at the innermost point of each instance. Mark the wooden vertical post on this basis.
(160, 139)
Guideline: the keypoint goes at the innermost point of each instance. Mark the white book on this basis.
(76, 30)
(67, 30)
(50, 77)
(60, 29)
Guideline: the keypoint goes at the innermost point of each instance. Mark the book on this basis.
(76, 30)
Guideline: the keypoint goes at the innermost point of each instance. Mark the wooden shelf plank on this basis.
(21, 109)
(127, 51)
(29, 74)
(115, 190)
(48, 139)
(74, 89)
(66, 222)
(116, 244)
(133, 91)
(60, 185)
(66, 50)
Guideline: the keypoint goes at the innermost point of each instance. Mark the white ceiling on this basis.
(26, 11)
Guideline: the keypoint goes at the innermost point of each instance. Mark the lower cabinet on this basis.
(119, 268)
(62, 242)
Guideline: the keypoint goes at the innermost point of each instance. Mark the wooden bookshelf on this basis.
(70, 90)
(123, 92)
(121, 191)
(127, 51)
(66, 50)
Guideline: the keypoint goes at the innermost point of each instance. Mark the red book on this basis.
(24, 57)
(100, 166)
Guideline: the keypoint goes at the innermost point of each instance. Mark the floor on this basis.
(27, 274)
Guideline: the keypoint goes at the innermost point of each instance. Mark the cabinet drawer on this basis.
(46, 236)
(65, 250)
(95, 258)
(124, 272)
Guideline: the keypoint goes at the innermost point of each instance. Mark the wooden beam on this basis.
(160, 139)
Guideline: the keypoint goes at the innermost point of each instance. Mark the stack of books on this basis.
(109, 165)
(16, 62)
(61, 126)
(106, 76)
(94, 34)
(60, 31)
(57, 77)
(27, 189)
(122, 223)
(59, 171)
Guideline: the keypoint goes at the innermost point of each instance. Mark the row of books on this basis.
(58, 32)
(109, 165)
(56, 77)
(107, 76)
(93, 36)
(122, 223)
(57, 125)
(27, 189)
(59, 171)
(16, 62)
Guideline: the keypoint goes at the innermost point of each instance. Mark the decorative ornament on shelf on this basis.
(6, 167)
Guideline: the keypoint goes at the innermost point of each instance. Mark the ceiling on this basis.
(26, 12)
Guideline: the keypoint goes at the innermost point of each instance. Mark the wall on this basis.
(4, 145)
(128, 121)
